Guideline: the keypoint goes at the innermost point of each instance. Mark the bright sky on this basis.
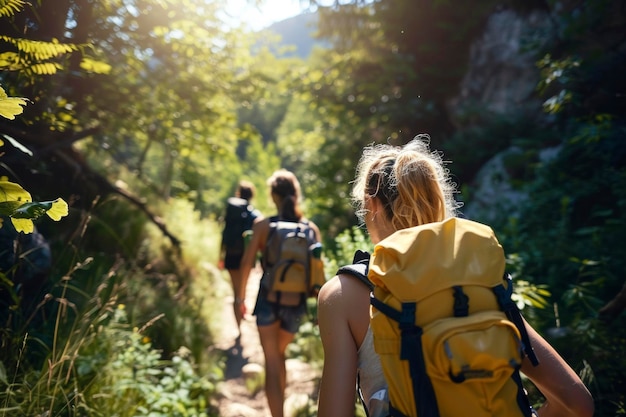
(269, 12)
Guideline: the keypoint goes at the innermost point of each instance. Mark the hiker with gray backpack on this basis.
(292, 272)
(425, 326)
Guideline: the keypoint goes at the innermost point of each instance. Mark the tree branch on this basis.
(614, 307)
(58, 150)
(75, 160)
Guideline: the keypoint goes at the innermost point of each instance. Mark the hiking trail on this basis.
(235, 398)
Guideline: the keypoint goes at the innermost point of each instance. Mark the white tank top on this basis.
(371, 378)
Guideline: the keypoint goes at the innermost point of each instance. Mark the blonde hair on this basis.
(411, 182)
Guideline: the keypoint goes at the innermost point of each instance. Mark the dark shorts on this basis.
(268, 313)
(232, 260)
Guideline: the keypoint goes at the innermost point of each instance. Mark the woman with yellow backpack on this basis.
(278, 313)
(465, 364)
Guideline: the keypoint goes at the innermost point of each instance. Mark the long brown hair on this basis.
(286, 186)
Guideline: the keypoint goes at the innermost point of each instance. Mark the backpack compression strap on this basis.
(411, 351)
(264, 262)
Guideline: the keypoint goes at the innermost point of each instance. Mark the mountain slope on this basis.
(297, 32)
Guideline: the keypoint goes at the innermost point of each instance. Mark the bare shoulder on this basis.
(344, 301)
(260, 232)
(261, 225)
(345, 290)
(329, 291)
(332, 301)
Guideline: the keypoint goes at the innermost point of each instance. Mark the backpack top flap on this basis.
(280, 231)
(235, 207)
(455, 252)
(239, 211)
(239, 217)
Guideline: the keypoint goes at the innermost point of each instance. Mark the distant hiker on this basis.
(404, 196)
(239, 218)
(279, 310)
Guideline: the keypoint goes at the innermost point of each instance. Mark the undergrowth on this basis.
(114, 334)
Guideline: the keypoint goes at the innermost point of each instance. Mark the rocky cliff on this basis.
(500, 81)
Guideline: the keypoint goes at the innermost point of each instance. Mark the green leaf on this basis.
(10, 191)
(7, 208)
(10, 106)
(94, 66)
(18, 206)
(59, 209)
(23, 225)
(32, 210)
(11, 7)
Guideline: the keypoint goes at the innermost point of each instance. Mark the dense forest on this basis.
(141, 116)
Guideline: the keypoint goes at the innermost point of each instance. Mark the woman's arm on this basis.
(565, 393)
(257, 243)
(337, 387)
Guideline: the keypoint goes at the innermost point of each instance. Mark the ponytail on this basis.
(410, 181)
(289, 209)
(285, 185)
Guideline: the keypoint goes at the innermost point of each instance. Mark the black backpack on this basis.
(239, 218)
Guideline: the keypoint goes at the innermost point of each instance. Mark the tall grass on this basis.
(118, 333)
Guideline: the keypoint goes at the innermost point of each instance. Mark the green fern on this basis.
(40, 50)
(11, 7)
(9, 61)
(45, 68)
(33, 57)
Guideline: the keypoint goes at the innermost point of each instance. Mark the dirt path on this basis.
(236, 399)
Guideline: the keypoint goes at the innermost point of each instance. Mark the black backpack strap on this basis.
(274, 219)
(411, 350)
(514, 315)
(503, 294)
(358, 268)
(272, 224)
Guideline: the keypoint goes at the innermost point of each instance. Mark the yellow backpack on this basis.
(450, 339)
(292, 264)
